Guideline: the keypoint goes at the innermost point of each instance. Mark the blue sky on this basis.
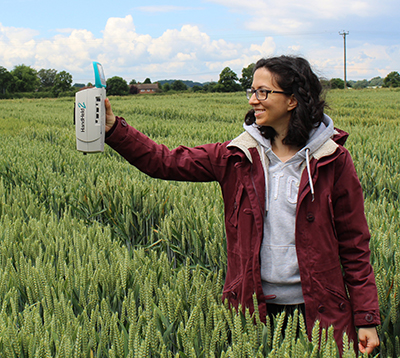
(196, 40)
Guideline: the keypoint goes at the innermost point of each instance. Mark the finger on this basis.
(367, 347)
(361, 347)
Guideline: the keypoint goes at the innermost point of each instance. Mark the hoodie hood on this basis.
(317, 138)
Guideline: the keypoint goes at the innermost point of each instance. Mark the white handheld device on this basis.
(90, 114)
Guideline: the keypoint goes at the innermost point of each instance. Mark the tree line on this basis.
(24, 81)
(228, 82)
(391, 80)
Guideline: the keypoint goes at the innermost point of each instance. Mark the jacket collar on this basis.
(328, 148)
(245, 141)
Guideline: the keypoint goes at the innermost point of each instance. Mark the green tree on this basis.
(361, 84)
(392, 80)
(25, 79)
(228, 81)
(210, 87)
(147, 80)
(197, 88)
(47, 78)
(6, 80)
(62, 83)
(117, 86)
(178, 85)
(133, 82)
(336, 83)
(247, 76)
(133, 89)
(166, 87)
(376, 81)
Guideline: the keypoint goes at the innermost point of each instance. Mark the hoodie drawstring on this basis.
(309, 173)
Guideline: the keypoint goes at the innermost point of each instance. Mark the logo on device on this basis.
(82, 116)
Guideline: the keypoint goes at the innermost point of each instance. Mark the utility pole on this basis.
(344, 34)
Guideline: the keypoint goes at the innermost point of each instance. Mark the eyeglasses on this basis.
(261, 93)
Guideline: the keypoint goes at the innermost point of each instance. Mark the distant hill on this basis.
(187, 83)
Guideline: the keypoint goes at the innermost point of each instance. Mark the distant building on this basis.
(143, 88)
(84, 87)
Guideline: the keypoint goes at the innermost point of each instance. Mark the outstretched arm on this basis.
(203, 163)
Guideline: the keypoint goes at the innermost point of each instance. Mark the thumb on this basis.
(110, 118)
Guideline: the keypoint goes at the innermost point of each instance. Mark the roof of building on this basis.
(146, 86)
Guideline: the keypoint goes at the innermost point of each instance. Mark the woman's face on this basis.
(275, 111)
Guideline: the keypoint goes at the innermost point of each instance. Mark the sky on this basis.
(195, 40)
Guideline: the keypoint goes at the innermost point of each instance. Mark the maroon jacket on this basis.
(332, 237)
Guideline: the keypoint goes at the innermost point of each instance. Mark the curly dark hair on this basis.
(294, 75)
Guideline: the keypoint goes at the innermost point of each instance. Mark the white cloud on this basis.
(121, 44)
(16, 46)
(185, 52)
(267, 48)
(121, 50)
(188, 52)
(16, 35)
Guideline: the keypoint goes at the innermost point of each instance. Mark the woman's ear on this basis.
(292, 102)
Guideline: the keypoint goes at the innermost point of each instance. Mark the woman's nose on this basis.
(253, 99)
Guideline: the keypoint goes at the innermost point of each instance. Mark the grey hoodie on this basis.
(279, 267)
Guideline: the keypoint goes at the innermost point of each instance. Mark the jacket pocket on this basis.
(232, 291)
(233, 218)
(331, 287)
(338, 294)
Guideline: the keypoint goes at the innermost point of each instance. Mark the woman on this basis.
(294, 216)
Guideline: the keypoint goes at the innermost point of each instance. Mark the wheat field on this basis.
(98, 260)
